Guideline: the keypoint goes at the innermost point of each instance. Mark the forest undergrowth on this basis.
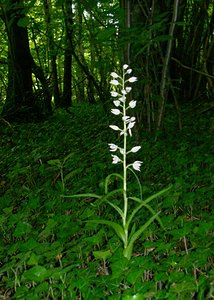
(48, 250)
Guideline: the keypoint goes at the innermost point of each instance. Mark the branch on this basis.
(192, 69)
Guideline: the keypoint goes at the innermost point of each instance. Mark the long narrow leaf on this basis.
(153, 196)
(137, 209)
(108, 179)
(117, 228)
(117, 208)
(128, 251)
(105, 197)
(90, 195)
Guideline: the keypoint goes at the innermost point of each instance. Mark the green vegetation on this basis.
(48, 250)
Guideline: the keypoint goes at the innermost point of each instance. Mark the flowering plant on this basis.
(122, 88)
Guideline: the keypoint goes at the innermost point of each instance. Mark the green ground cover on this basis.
(49, 251)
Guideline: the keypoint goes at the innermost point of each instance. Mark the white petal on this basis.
(114, 82)
(124, 92)
(114, 94)
(136, 165)
(115, 111)
(135, 149)
(114, 75)
(125, 66)
(132, 79)
(113, 147)
(132, 103)
(129, 71)
(116, 103)
(114, 127)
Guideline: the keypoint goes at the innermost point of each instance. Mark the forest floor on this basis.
(48, 250)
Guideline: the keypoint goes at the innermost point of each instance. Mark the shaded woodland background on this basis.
(56, 53)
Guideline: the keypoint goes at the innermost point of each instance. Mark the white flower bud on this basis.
(129, 71)
(132, 103)
(114, 82)
(132, 79)
(115, 111)
(125, 67)
(114, 127)
(114, 75)
(135, 149)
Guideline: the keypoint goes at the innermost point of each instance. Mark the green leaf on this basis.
(153, 196)
(22, 228)
(117, 228)
(128, 251)
(134, 297)
(87, 195)
(34, 259)
(55, 162)
(107, 180)
(37, 273)
(72, 174)
(117, 208)
(102, 254)
(23, 22)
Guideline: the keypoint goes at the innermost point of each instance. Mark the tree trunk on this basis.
(19, 90)
(67, 80)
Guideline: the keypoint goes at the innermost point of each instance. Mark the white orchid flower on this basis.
(116, 103)
(113, 147)
(125, 67)
(116, 159)
(128, 89)
(114, 94)
(136, 165)
(114, 127)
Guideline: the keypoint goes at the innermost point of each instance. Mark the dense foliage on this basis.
(55, 100)
(49, 251)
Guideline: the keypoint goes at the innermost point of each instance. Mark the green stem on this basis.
(125, 169)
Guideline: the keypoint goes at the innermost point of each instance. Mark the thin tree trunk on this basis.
(163, 87)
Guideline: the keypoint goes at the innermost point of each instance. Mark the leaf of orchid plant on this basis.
(128, 250)
(117, 208)
(117, 228)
